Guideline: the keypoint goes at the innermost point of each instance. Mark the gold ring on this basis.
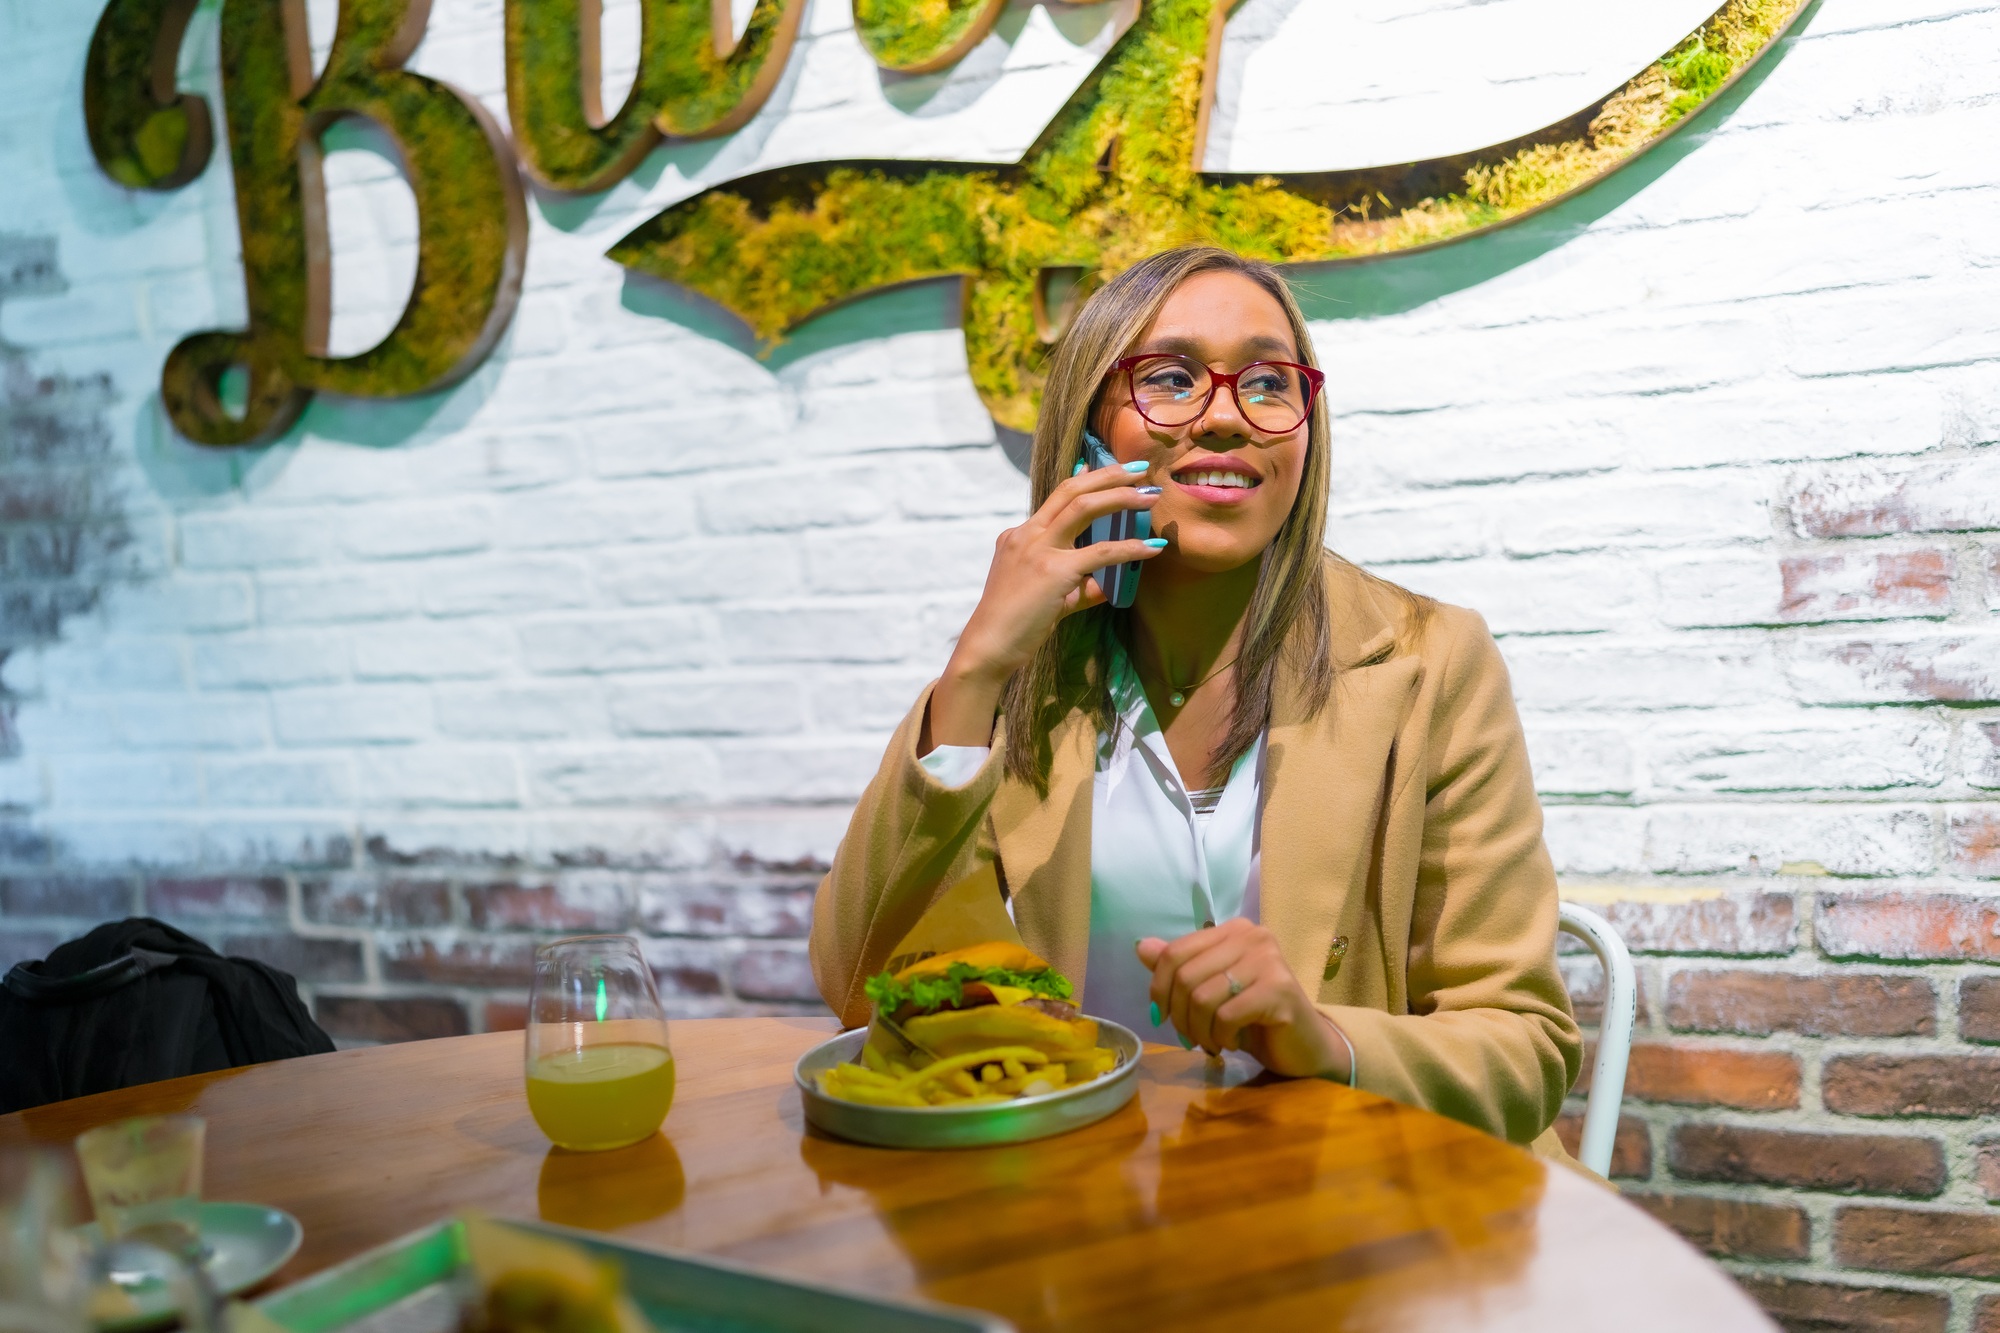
(1235, 986)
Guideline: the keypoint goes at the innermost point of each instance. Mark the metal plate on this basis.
(979, 1126)
(409, 1286)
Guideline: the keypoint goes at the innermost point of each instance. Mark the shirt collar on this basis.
(1128, 696)
(1137, 728)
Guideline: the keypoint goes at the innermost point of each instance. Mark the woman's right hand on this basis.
(1038, 576)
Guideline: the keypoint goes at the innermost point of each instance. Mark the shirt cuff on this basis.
(955, 765)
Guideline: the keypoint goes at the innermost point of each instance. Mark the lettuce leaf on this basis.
(948, 991)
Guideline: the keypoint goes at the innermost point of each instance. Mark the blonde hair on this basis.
(1072, 669)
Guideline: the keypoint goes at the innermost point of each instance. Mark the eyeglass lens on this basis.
(1174, 390)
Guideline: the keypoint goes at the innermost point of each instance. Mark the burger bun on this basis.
(952, 1032)
(992, 954)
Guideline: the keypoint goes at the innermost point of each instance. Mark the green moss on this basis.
(921, 34)
(683, 86)
(545, 99)
(161, 143)
(1699, 67)
(865, 229)
(707, 92)
(1109, 182)
(473, 239)
(264, 124)
(141, 142)
(1631, 120)
(1063, 206)
(469, 253)
(1696, 72)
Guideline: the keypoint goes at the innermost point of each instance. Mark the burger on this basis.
(975, 999)
(983, 1024)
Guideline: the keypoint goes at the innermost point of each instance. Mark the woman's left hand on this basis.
(1270, 1015)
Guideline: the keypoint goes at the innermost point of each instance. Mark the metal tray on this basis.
(410, 1286)
(978, 1126)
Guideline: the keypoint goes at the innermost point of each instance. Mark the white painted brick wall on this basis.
(630, 533)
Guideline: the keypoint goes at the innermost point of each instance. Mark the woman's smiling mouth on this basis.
(1217, 481)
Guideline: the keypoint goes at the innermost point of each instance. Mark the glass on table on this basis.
(42, 1286)
(600, 1071)
(144, 1179)
(56, 1277)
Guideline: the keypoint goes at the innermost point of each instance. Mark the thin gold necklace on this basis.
(1177, 694)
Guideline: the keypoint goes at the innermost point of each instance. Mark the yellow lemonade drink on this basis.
(600, 1097)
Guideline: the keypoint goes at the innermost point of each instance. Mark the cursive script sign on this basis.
(1113, 177)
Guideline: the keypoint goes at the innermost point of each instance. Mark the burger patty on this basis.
(976, 994)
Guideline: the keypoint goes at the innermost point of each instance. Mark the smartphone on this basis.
(1120, 582)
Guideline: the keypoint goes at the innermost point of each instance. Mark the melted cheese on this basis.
(1005, 995)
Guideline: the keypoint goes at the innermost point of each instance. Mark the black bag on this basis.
(137, 1001)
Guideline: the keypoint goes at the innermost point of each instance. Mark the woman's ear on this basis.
(1095, 419)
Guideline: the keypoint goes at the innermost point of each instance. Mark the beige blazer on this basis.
(1404, 873)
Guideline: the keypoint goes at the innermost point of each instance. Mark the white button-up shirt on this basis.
(1159, 866)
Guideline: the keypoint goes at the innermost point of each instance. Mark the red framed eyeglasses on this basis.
(1170, 391)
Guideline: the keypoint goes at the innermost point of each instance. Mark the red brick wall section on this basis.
(1814, 1097)
(1814, 907)
(388, 953)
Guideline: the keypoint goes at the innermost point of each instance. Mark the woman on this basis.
(1278, 804)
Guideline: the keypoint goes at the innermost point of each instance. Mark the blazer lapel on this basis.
(1044, 851)
(1325, 784)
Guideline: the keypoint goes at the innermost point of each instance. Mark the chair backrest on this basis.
(1614, 1034)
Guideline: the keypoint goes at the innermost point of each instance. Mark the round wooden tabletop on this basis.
(1266, 1205)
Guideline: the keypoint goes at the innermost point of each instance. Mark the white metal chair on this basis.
(1614, 1034)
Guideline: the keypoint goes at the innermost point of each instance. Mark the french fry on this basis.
(879, 1096)
(1023, 1054)
(996, 1074)
(861, 1074)
(841, 1082)
(1082, 1066)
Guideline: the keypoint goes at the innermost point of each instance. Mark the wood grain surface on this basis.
(1204, 1203)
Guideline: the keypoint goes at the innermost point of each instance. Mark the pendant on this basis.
(1177, 698)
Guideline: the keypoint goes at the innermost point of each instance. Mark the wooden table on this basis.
(1200, 1205)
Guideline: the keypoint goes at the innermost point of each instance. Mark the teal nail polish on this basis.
(1079, 468)
(1139, 466)
(1154, 1010)
(1186, 1045)
(1157, 543)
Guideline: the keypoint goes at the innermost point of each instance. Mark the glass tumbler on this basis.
(600, 1072)
(144, 1179)
(42, 1278)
